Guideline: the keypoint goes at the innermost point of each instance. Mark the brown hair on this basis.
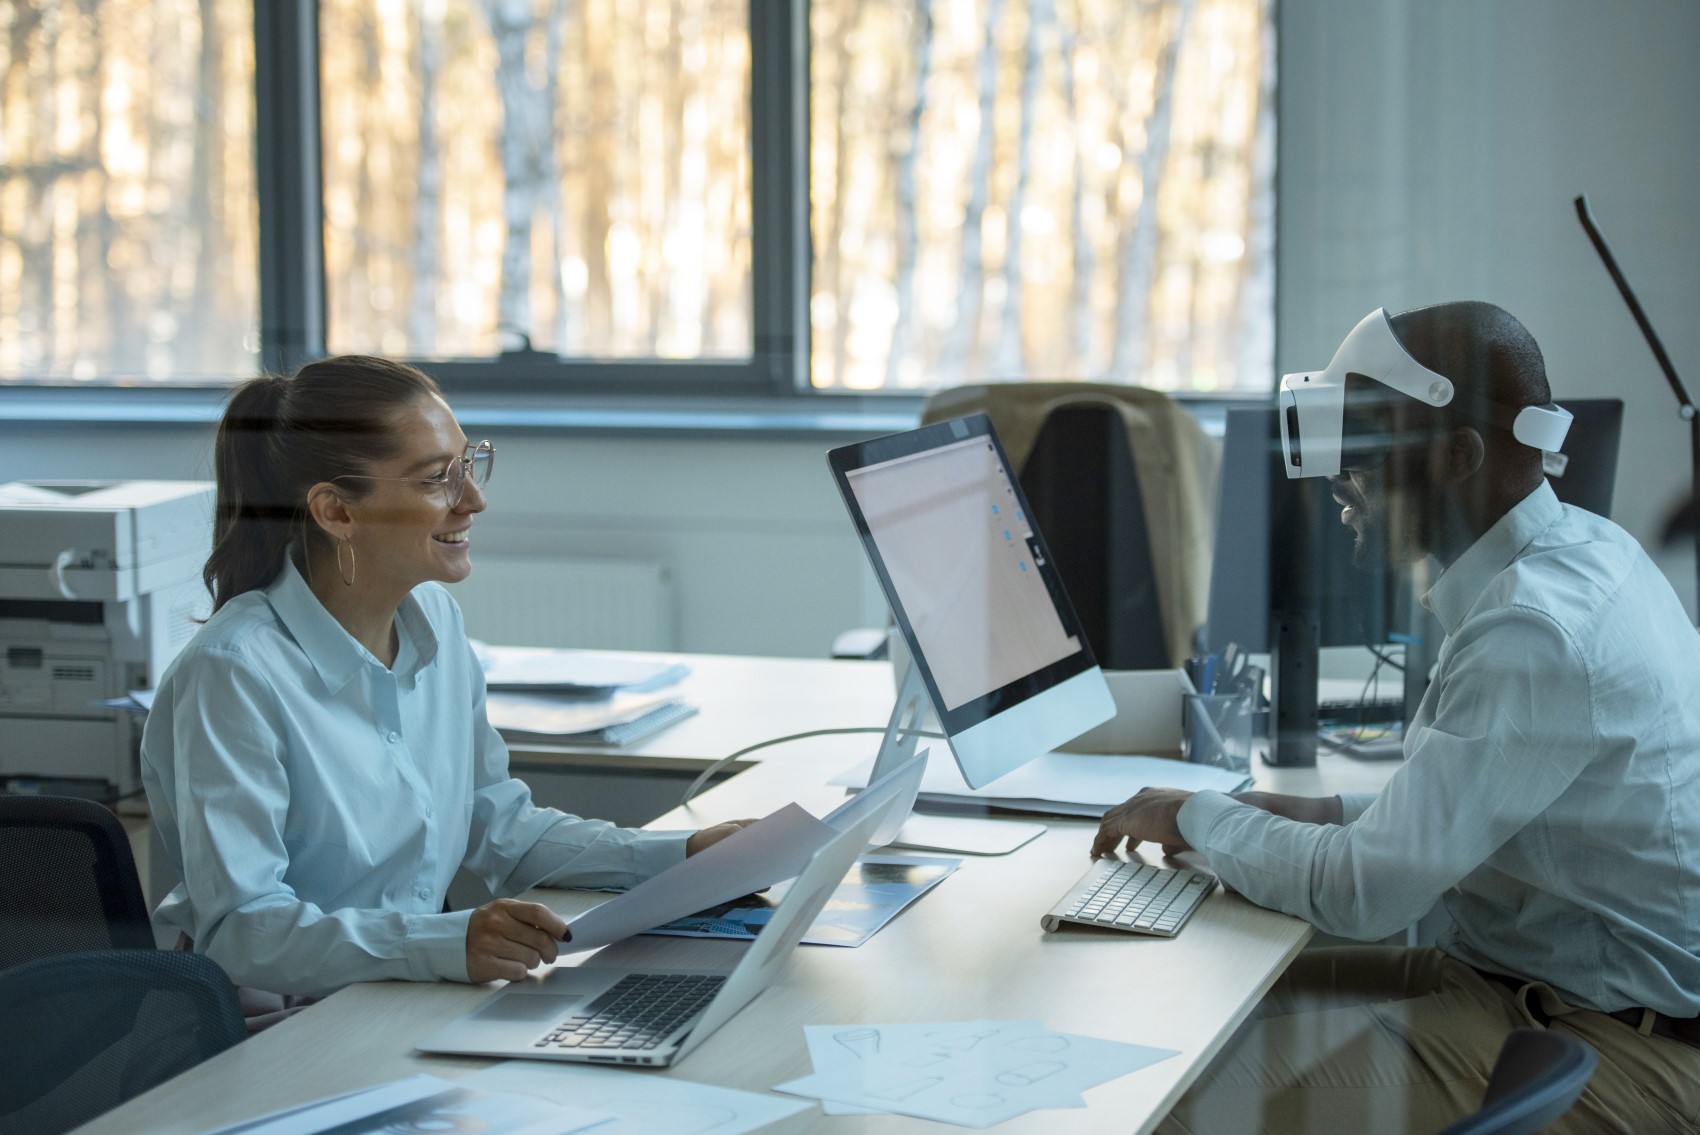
(279, 437)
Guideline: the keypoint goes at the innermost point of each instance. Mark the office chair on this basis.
(67, 880)
(1589, 468)
(1538, 1075)
(1122, 482)
(82, 1033)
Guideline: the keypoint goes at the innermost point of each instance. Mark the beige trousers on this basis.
(1387, 1040)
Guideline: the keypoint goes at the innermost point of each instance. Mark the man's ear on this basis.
(1464, 453)
(329, 511)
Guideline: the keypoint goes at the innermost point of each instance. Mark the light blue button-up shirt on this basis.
(1550, 793)
(317, 803)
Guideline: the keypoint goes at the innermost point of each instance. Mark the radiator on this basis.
(610, 604)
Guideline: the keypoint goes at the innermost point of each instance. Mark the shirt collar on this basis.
(1459, 586)
(332, 651)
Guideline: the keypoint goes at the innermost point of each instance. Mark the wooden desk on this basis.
(970, 948)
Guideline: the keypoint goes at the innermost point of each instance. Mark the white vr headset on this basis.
(1313, 406)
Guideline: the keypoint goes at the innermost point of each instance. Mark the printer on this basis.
(100, 587)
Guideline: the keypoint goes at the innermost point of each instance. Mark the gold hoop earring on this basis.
(347, 576)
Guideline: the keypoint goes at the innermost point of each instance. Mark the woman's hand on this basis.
(508, 938)
(708, 837)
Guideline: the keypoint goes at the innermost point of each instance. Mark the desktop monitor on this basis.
(974, 593)
(1283, 577)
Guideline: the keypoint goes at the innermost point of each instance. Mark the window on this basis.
(677, 195)
(128, 230)
(1018, 189)
(578, 174)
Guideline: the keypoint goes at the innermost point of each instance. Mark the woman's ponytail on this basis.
(278, 438)
(252, 519)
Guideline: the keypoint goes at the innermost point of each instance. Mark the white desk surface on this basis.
(970, 948)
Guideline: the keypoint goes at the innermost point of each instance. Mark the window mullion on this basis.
(779, 190)
(286, 143)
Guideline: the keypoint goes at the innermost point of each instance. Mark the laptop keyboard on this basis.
(1132, 896)
(640, 1011)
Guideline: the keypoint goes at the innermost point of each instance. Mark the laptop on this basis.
(596, 1015)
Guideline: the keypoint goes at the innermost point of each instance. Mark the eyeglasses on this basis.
(474, 465)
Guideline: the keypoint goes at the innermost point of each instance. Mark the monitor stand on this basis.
(964, 834)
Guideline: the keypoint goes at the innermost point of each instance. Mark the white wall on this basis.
(1430, 150)
(764, 558)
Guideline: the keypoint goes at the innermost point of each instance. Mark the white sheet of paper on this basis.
(774, 848)
(640, 1104)
(973, 1074)
(500, 1113)
(1087, 781)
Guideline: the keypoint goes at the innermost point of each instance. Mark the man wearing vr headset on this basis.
(1550, 795)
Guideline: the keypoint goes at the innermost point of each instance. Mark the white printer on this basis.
(100, 587)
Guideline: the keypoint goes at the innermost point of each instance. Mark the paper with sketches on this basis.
(1079, 784)
(426, 1103)
(871, 895)
(640, 1104)
(541, 669)
(774, 848)
(972, 1074)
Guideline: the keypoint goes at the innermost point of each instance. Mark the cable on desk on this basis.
(697, 784)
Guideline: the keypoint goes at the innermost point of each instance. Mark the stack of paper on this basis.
(535, 669)
(618, 719)
(972, 1073)
(1062, 784)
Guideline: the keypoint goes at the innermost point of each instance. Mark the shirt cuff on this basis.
(435, 946)
(654, 852)
(1198, 815)
(1354, 804)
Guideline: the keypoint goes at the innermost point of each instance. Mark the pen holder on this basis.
(1216, 730)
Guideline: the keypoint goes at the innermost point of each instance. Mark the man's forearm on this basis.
(1304, 809)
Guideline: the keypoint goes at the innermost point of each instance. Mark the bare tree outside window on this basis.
(128, 225)
(576, 172)
(1042, 189)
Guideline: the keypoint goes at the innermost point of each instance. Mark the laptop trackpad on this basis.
(527, 1007)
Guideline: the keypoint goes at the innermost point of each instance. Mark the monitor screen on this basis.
(966, 565)
(966, 573)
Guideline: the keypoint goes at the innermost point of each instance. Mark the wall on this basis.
(765, 560)
(1430, 150)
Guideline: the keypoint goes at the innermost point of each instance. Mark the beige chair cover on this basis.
(1178, 465)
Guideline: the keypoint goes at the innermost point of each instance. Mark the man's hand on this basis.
(710, 836)
(1150, 817)
(508, 938)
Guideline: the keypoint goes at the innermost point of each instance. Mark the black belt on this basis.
(1684, 1029)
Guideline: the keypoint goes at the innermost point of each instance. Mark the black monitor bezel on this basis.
(847, 459)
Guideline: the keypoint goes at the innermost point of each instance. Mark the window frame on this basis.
(293, 320)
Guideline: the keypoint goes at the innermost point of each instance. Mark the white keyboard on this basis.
(1132, 896)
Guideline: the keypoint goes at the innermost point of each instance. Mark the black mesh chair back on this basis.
(81, 1033)
(67, 880)
(1081, 483)
(1538, 1075)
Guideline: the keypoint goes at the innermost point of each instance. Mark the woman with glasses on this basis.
(318, 760)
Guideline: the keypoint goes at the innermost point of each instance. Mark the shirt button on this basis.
(394, 736)
(424, 893)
